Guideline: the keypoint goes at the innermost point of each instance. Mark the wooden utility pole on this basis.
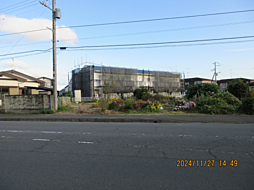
(55, 14)
(54, 53)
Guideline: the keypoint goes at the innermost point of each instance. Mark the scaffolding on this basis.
(166, 81)
(98, 80)
(120, 80)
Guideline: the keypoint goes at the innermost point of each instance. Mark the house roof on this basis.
(226, 80)
(45, 78)
(196, 78)
(23, 75)
(13, 76)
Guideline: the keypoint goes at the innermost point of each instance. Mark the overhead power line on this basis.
(136, 21)
(141, 44)
(167, 30)
(14, 5)
(124, 48)
(161, 43)
(145, 32)
(32, 51)
(21, 8)
(160, 19)
(159, 46)
(18, 7)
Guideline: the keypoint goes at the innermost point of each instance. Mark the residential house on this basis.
(47, 86)
(196, 80)
(16, 83)
(223, 84)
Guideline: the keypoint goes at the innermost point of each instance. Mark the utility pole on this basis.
(54, 53)
(215, 72)
(55, 14)
(183, 82)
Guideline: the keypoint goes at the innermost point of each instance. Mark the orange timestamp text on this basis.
(205, 163)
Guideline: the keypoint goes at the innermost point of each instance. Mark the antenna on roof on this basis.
(13, 67)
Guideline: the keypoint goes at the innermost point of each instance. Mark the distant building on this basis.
(47, 86)
(65, 89)
(91, 81)
(196, 80)
(223, 84)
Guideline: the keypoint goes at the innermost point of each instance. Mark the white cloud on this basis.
(25, 68)
(15, 64)
(12, 24)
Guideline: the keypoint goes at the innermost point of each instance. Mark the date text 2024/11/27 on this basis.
(205, 163)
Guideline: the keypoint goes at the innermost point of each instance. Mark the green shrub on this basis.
(47, 112)
(128, 104)
(147, 96)
(63, 108)
(140, 92)
(238, 88)
(103, 103)
(248, 106)
(157, 97)
(220, 103)
(115, 104)
(202, 88)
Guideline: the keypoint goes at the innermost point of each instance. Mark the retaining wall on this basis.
(26, 103)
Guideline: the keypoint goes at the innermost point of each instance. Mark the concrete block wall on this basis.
(26, 103)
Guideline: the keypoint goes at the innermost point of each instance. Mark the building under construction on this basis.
(95, 81)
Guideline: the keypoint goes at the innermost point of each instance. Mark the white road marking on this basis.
(185, 135)
(40, 139)
(56, 140)
(14, 131)
(86, 133)
(83, 142)
(26, 131)
(50, 132)
(7, 137)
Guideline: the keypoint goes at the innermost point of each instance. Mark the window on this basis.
(187, 83)
(197, 82)
(5, 90)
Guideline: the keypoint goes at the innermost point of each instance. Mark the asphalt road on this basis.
(55, 155)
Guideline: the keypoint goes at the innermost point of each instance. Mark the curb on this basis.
(119, 120)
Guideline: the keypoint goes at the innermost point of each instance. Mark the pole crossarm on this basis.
(45, 4)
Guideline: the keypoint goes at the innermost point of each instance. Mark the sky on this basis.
(233, 57)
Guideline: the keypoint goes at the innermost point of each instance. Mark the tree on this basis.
(202, 88)
(109, 89)
(248, 106)
(139, 92)
(238, 88)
